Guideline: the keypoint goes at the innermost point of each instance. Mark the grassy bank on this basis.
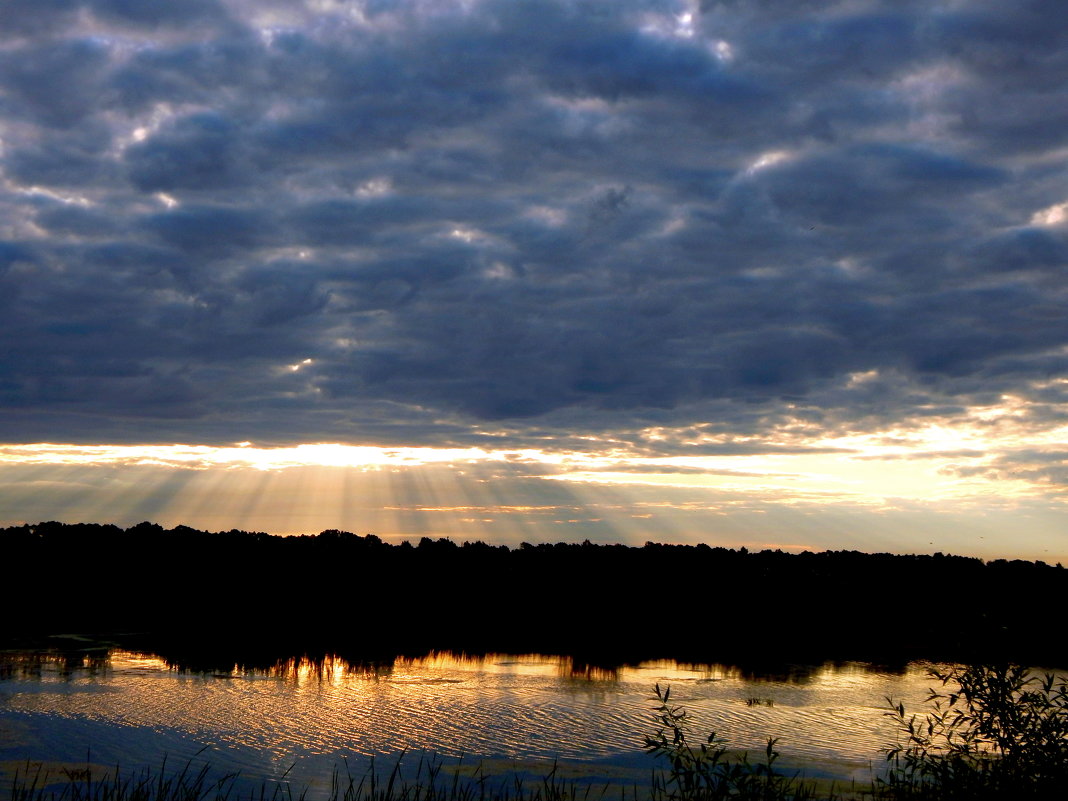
(988, 733)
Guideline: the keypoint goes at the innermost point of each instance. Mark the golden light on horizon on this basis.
(790, 485)
(921, 462)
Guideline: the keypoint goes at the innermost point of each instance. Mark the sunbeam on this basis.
(844, 492)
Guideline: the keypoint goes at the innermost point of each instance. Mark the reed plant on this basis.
(706, 770)
(430, 782)
(991, 732)
(35, 782)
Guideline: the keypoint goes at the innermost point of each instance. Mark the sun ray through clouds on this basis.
(737, 492)
(503, 308)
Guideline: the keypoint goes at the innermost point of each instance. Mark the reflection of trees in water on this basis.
(327, 668)
(59, 662)
(215, 601)
(91, 658)
(332, 667)
(95, 658)
(807, 673)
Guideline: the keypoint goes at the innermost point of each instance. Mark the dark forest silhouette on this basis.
(253, 598)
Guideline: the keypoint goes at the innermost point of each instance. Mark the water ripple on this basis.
(509, 707)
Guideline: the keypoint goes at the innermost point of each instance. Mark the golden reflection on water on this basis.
(335, 670)
(56, 666)
(303, 671)
(515, 707)
(432, 668)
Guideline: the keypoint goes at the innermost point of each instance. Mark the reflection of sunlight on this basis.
(534, 665)
(439, 666)
(137, 662)
(307, 673)
(516, 711)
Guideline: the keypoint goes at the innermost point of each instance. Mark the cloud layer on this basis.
(446, 222)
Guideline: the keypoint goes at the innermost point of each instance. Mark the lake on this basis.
(508, 711)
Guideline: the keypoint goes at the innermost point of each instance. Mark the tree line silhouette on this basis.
(252, 598)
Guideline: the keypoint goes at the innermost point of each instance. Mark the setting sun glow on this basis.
(983, 466)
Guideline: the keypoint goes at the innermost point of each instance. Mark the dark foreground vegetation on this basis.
(990, 734)
(251, 598)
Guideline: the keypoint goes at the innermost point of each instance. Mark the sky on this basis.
(772, 273)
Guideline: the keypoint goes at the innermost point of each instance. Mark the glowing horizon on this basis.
(901, 486)
(992, 449)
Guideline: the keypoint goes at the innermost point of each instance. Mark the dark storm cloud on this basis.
(56, 83)
(46, 16)
(369, 220)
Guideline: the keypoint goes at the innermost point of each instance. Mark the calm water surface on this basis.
(520, 710)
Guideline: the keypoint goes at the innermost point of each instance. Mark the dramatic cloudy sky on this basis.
(764, 272)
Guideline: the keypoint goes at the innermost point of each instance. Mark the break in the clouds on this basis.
(671, 226)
